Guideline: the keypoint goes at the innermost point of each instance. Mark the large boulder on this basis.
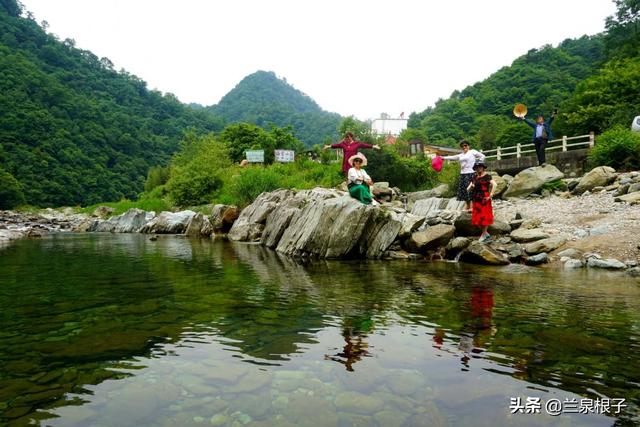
(339, 227)
(410, 223)
(531, 180)
(545, 245)
(632, 198)
(199, 226)
(501, 185)
(526, 235)
(169, 223)
(596, 177)
(222, 217)
(430, 238)
(479, 253)
(252, 219)
(132, 221)
(464, 227)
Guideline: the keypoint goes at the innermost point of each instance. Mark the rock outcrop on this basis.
(169, 223)
(131, 221)
(222, 218)
(531, 180)
(464, 227)
(251, 221)
(430, 238)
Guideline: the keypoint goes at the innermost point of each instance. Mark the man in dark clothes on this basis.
(541, 135)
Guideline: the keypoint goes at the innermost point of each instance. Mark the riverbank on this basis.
(589, 222)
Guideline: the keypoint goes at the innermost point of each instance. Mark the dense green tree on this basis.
(72, 129)
(11, 194)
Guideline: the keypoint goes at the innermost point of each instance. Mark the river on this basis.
(119, 330)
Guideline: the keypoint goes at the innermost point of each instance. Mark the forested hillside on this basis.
(593, 80)
(263, 99)
(74, 130)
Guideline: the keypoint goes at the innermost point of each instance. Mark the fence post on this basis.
(498, 154)
(592, 139)
(518, 150)
(564, 142)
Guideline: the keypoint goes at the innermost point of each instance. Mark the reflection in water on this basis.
(121, 330)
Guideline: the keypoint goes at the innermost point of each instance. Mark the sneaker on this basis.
(485, 239)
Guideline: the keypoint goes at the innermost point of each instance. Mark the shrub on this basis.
(408, 174)
(197, 171)
(147, 204)
(157, 176)
(618, 147)
(11, 194)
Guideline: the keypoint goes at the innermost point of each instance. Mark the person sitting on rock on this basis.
(349, 147)
(467, 159)
(358, 180)
(481, 188)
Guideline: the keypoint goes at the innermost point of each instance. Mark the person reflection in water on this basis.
(481, 324)
(356, 346)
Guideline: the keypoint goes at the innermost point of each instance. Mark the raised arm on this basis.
(529, 122)
(551, 118)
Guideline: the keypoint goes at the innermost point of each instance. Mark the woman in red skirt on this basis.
(481, 190)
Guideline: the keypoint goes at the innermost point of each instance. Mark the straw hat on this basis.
(358, 156)
(520, 110)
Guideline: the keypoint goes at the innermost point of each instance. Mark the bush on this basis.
(618, 147)
(197, 171)
(157, 176)
(11, 194)
(408, 174)
(243, 185)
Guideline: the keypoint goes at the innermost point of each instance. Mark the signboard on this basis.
(255, 156)
(285, 156)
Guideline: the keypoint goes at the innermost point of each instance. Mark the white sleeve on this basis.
(480, 156)
(456, 157)
(352, 175)
(366, 175)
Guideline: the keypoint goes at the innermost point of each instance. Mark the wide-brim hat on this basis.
(478, 165)
(358, 156)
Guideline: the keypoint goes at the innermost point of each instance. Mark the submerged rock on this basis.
(541, 258)
(607, 264)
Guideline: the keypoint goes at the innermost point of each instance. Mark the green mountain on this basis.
(263, 99)
(542, 79)
(72, 129)
(592, 80)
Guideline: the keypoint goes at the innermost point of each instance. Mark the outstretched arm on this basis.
(455, 157)
(529, 122)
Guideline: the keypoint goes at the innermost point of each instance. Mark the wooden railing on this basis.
(565, 144)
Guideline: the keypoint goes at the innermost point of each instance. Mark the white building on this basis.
(385, 125)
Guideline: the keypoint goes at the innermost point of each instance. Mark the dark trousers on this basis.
(540, 144)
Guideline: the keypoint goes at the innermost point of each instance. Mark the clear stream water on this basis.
(118, 330)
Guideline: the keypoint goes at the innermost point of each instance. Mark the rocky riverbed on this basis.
(591, 222)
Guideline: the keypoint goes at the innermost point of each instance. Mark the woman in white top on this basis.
(358, 180)
(467, 159)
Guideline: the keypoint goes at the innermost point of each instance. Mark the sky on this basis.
(354, 57)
